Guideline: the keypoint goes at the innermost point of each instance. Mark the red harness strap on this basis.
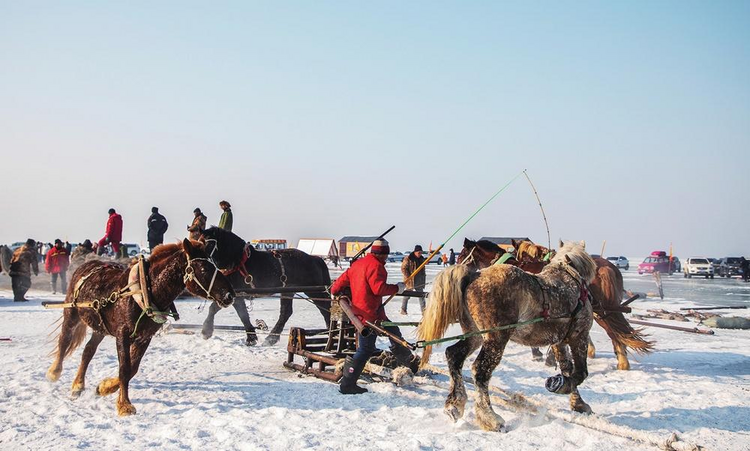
(241, 265)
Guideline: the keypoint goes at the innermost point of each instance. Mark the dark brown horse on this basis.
(171, 269)
(553, 305)
(247, 268)
(606, 291)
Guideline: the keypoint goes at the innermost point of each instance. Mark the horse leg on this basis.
(79, 383)
(241, 308)
(592, 349)
(112, 384)
(285, 311)
(456, 356)
(71, 330)
(579, 347)
(124, 406)
(208, 324)
(536, 354)
(622, 356)
(489, 357)
(561, 354)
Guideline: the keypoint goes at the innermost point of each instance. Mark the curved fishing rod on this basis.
(427, 260)
(549, 241)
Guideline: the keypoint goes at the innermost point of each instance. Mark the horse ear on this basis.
(188, 247)
(467, 242)
(561, 242)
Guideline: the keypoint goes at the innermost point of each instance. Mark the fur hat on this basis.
(30, 242)
(154, 209)
(111, 210)
(418, 248)
(380, 247)
(223, 202)
(197, 210)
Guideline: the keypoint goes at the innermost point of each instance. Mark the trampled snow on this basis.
(218, 394)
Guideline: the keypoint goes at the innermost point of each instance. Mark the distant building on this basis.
(320, 247)
(349, 246)
(504, 241)
(269, 244)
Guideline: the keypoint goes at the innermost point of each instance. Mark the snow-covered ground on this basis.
(218, 394)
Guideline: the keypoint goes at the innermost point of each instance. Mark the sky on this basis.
(324, 119)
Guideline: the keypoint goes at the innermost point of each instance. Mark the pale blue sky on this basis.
(324, 119)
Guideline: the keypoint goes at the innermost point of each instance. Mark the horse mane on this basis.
(490, 246)
(165, 251)
(575, 255)
(231, 248)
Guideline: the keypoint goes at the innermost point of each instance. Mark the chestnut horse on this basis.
(115, 311)
(606, 291)
(553, 304)
(247, 268)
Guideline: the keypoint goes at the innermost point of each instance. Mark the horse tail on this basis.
(446, 305)
(76, 338)
(614, 323)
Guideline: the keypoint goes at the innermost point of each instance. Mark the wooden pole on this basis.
(604, 244)
(694, 330)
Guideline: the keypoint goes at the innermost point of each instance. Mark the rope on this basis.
(549, 241)
(423, 343)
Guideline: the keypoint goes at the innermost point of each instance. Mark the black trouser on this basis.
(367, 346)
(155, 242)
(63, 281)
(21, 285)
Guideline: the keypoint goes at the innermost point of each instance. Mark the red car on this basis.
(657, 261)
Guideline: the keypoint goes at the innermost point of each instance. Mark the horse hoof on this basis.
(491, 422)
(536, 355)
(453, 412)
(550, 361)
(624, 366)
(207, 333)
(251, 340)
(582, 407)
(271, 340)
(53, 376)
(125, 409)
(108, 386)
(76, 391)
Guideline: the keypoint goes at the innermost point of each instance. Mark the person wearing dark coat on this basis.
(416, 283)
(23, 262)
(745, 266)
(452, 258)
(56, 264)
(157, 227)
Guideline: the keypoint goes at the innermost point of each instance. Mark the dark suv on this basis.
(729, 266)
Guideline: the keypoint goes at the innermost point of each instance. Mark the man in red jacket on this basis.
(367, 280)
(56, 263)
(113, 235)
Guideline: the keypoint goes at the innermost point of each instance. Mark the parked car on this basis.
(437, 258)
(698, 266)
(621, 262)
(676, 264)
(657, 261)
(396, 257)
(730, 266)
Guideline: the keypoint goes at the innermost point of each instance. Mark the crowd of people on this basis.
(62, 258)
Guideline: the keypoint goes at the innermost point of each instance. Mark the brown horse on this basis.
(115, 311)
(606, 291)
(502, 295)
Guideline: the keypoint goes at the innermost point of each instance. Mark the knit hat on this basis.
(380, 247)
(58, 241)
(418, 248)
(197, 210)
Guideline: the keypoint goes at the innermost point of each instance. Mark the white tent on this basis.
(324, 247)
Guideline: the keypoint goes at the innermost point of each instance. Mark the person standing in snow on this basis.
(113, 234)
(410, 264)
(157, 227)
(23, 262)
(452, 258)
(366, 279)
(226, 218)
(198, 225)
(56, 263)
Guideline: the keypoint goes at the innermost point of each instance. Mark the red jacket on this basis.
(56, 261)
(114, 228)
(367, 279)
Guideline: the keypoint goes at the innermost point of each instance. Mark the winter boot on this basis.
(352, 370)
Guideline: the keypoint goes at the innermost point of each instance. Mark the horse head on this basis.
(203, 278)
(223, 247)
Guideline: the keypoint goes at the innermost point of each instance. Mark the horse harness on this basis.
(242, 269)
